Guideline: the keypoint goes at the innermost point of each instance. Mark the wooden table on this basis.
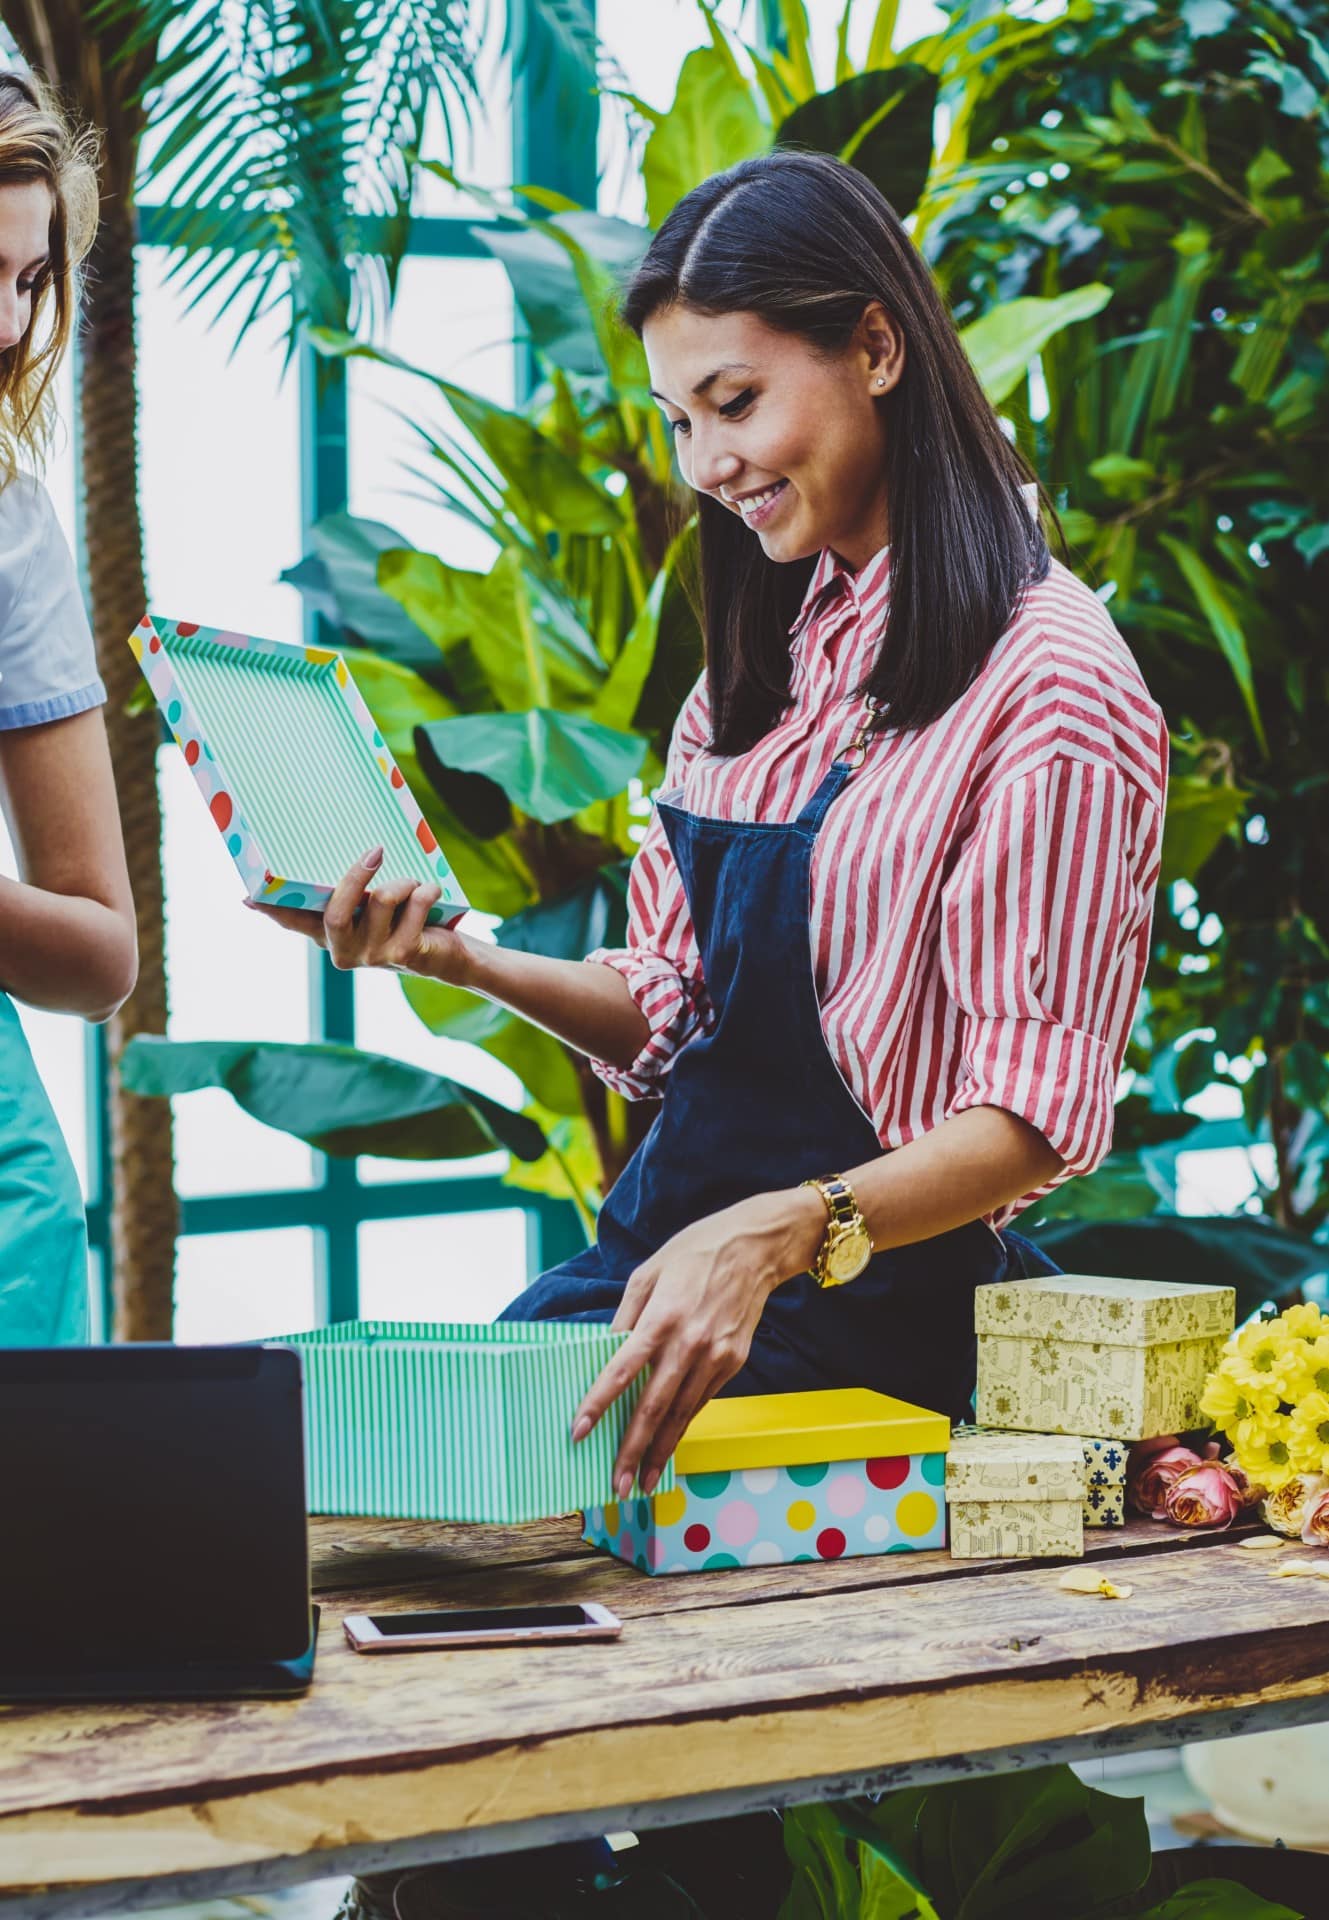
(727, 1691)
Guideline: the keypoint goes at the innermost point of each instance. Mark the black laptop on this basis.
(152, 1523)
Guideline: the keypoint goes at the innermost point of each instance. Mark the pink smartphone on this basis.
(480, 1627)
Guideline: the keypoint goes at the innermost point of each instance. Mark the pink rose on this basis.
(1204, 1495)
(1315, 1526)
(1151, 1470)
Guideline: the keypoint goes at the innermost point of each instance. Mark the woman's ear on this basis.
(881, 346)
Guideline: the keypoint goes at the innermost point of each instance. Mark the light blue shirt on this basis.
(48, 666)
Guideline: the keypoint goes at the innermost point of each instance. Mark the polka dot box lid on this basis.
(287, 756)
(800, 1429)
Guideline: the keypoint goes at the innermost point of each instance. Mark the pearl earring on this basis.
(881, 380)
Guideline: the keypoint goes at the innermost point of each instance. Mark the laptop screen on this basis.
(152, 1507)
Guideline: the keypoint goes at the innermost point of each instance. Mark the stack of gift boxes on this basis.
(1071, 1370)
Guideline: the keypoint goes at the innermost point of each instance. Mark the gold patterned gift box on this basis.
(1090, 1354)
(1105, 1478)
(1015, 1496)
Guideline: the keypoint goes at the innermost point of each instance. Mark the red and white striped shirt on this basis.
(981, 890)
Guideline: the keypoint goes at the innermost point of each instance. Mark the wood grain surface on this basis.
(723, 1681)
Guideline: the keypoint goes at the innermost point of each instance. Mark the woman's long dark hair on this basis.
(806, 243)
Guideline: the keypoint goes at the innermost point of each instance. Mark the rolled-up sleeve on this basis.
(1045, 938)
(661, 962)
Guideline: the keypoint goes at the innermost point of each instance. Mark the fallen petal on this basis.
(1085, 1580)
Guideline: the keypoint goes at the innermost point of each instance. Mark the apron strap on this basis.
(846, 763)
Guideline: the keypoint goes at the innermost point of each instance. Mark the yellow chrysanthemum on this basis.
(1309, 1434)
(1308, 1371)
(1304, 1322)
(1261, 1359)
(1269, 1460)
(1242, 1412)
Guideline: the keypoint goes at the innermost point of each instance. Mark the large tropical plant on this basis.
(530, 704)
(1179, 150)
(286, 129)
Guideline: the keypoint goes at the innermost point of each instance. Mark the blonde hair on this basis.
(37, 142)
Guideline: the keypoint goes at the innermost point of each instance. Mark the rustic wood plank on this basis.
(565, 1568)
(694, 1699)
(346, 1551)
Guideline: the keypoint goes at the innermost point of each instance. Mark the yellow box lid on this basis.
(799, 1429)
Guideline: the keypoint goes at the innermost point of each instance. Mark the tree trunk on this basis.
(83, 58)
(144, 1215)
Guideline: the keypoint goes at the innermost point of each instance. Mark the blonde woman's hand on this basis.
(383, 928)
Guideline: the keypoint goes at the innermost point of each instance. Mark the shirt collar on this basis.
(832, 577)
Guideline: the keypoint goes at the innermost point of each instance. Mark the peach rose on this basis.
(1204, 1495)
(1315, 1526)
(1285, 1509)
(1151, 1470)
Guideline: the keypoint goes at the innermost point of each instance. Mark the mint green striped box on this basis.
(466, 1421)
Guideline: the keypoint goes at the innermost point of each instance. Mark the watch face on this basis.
(848, 1257)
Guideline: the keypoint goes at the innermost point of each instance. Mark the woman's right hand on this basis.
(385, 928)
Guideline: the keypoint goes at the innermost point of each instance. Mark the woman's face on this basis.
(25, 238)
(790, 439)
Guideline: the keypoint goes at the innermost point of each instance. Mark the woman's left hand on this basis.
(692, 1310)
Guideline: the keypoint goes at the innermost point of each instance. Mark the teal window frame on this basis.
(555, 130)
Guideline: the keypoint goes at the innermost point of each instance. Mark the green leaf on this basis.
(550, 765)
(826, 1885)
(538, 476)
(620, 698)
(1117, 1189)
(1004, 341)
(1223, 624)
(879, 122)
(1122, 477)
(340, 581)
(524, 637)
(713, 123)
(1199, 818)
(1218, 1900)
(543, 486)
(886, 1895)
(382, 1106)
(575, 923)
(1313, 542)
(547, 287)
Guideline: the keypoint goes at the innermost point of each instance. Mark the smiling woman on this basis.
(921, 759)
(66, 924)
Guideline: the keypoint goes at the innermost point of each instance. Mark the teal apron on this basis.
(43, 1239)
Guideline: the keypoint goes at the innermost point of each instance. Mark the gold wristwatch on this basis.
(847, 1247)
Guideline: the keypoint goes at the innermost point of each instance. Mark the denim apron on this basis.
(758, 1104)
(43, 1242)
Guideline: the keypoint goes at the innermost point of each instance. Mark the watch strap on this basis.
(843, 1213)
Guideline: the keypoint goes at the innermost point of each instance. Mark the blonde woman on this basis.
(67, 939)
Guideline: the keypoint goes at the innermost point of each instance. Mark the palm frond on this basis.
(278, 127)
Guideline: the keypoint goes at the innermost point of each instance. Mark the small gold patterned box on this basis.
(1015, 1495)
(1090, 1354)
(1105, 1478)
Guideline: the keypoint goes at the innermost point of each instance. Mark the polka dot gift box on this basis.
(287, 756)
(788, 1476)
